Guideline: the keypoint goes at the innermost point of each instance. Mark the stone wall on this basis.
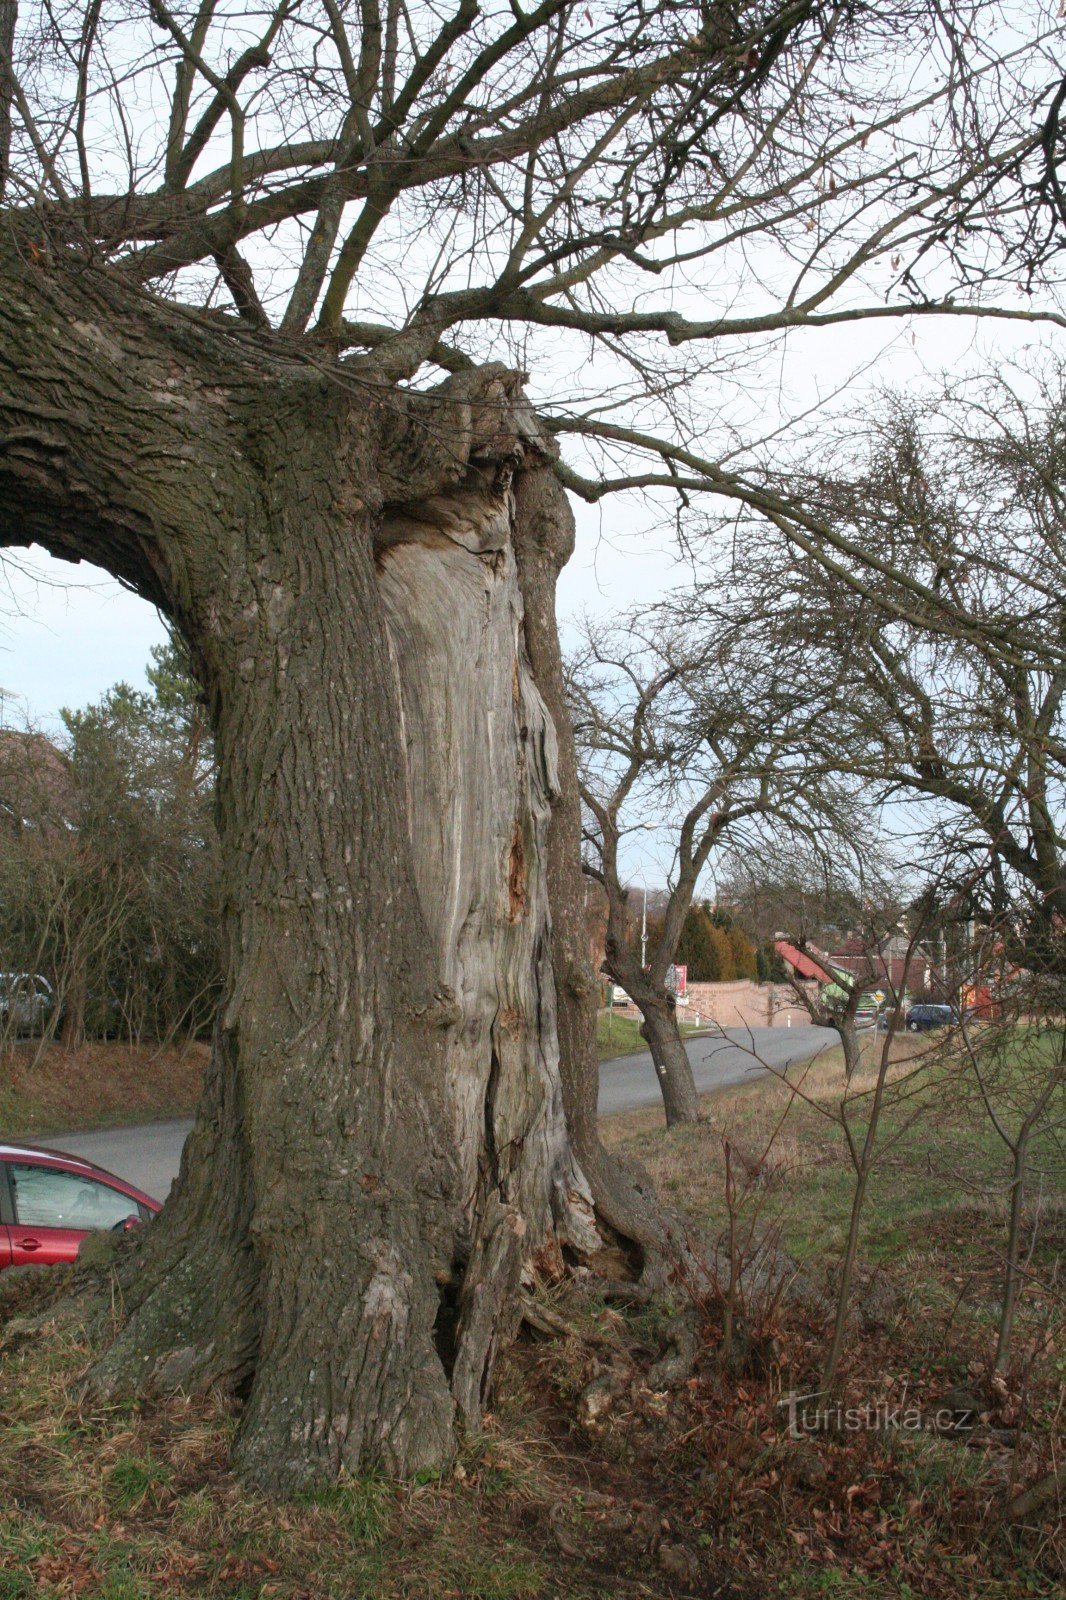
(744, 1004)
(741, 1004)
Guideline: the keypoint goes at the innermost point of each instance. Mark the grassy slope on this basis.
(103, 1085)
(617, 1035)
(939, 1155)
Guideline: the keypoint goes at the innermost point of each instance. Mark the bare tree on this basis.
(1018, 1064)
(237, 251)
(929, 576)
(859, 1118)
(938, 608)
(686, 737)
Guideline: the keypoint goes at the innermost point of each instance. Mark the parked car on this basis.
(26, 998)
(50, 1201)
(921, 1018)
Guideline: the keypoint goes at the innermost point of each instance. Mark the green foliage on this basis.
(132, 1480)
(696, 947)
(743, 952)
(175, 690)
(769, 968)
(724, 968)
(714, 948)
(109, 869)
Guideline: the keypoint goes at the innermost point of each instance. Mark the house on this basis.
(885, 965)
(803, 963)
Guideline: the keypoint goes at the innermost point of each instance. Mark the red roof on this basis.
(802, 963)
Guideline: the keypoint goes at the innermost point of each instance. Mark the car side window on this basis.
(48, 1197)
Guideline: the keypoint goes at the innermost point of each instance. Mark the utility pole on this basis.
(644, 931)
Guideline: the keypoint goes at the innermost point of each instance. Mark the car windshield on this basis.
(49, 1197)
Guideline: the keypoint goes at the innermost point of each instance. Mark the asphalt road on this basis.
(719, 1061)
(148, 1155)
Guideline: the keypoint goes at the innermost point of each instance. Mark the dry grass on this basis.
(138, 1503)
(104, 1084)
(695, 1492)
(937, 1152)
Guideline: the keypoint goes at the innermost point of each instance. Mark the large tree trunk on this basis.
(388, 1048)
(382, 1150)
(328, 1119)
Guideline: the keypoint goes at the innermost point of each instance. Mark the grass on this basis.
(695, 1491)
(619, 1035)
(104, 1084)
(360, 1504)
(138, 1503)
(939, 1154)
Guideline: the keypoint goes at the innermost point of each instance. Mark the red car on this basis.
(49, 1202)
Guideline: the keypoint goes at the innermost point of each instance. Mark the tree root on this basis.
(1036, 1496)
(545, 1320)
(678, 1362)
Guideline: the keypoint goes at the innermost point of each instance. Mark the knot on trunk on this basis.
(478, 419)
(443, 1011)
(579, 979)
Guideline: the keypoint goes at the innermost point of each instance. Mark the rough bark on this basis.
(399, 1121)
(338, 1100)
(8, 19)
(671, 1061)
(646, 987)
(646, 1240)
(382, 1150)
